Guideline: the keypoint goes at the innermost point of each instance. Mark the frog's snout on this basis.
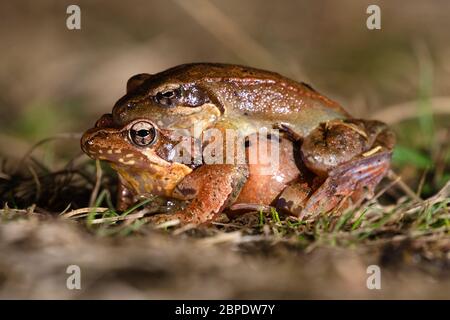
(88, 141)
(95, 142)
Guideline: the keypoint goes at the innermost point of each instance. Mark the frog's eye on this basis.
(168, 98)
(142, 134)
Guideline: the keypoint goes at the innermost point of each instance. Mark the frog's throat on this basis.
(154, 180)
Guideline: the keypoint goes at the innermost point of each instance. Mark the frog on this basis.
(224, 95)
(144, 155)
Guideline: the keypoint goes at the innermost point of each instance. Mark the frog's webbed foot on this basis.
(348, 183)
(211, 188)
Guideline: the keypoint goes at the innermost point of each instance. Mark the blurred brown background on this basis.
(57, 80)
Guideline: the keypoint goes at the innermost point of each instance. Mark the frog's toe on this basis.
(292, 199)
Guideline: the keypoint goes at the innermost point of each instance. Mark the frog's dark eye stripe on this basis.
(142, 134)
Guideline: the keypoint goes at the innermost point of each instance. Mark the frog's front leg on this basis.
(125, 197)
(352, 156)
(211, 188)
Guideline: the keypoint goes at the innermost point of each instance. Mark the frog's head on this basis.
(175, 98)
(140, 153)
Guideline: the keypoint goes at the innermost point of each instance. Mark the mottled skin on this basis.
(339, 159)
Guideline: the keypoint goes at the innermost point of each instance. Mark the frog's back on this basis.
(247, 97)
(259, 97)
(216, 72)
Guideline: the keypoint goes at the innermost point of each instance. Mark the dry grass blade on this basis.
(168, 224)
(132, 216)
(76, 213)
(444, 193)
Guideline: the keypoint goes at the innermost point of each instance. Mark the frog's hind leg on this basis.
(338, 141)
(348, 159)
(350, 156)
(348, 183)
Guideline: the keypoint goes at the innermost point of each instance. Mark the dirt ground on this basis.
(34, 256)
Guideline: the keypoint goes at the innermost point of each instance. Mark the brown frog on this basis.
(143, 155)
(211, 94)
(339, 157)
